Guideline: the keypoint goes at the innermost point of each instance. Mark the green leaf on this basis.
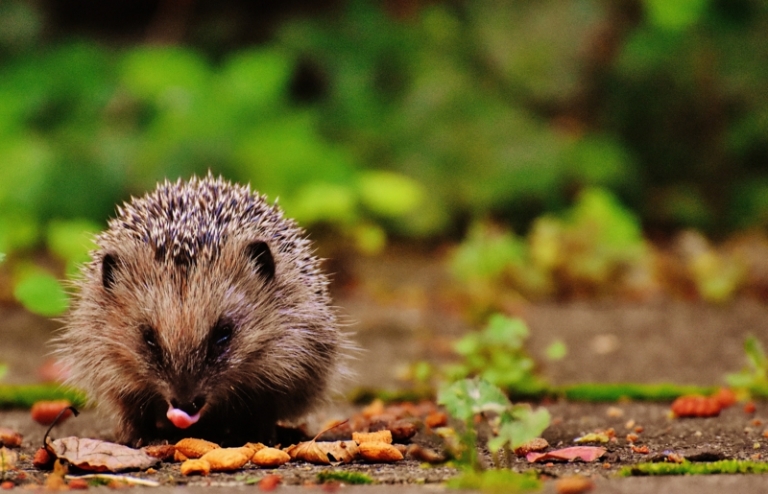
(42, 294)
(556, 350)
(466, 398)
(390, 194)
(519, 427)
(3, 371)
(675, 15)
(71, 240)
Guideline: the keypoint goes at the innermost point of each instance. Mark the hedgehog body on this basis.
(203, 313)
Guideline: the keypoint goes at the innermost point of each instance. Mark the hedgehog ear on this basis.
(260, 255)
(108, 268)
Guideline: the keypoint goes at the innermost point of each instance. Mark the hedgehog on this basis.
(202, 313)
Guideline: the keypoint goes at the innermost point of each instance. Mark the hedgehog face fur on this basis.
(203, 313)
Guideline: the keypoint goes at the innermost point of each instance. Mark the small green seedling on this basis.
(754, 377)
(497, 354)
(510, 425)
(351, 478)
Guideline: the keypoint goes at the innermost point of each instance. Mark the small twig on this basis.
(55, 421)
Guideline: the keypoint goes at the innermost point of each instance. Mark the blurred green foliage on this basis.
(381, 123)
(754, 377)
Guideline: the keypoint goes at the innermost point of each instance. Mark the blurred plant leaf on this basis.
(41, 293)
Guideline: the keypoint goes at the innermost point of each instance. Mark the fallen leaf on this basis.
(642, 450)
(45, 412)
(163, 452)
(696, 406)
(100, 456)
(384, 436)
(227, 459)
(270, 457)
(10, 438)
(379, 452)
(592, 437)
(726, 397)
(425, 454)
(535, 444)
(195, 466)
(402, 430)
(583, 453)
(436, 419)
(8, 459)
(324, 452)
(55, 480)
(270, 482)
(77, 484)
(42, 459)
(574, 485)
(194, 448)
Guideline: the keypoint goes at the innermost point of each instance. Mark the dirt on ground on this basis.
(396, 314)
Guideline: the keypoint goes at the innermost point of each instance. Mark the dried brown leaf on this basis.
(10, 438)
(100, 456)
(8, 459)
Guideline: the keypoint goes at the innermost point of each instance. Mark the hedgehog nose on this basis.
(190, 407)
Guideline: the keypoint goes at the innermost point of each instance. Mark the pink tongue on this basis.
(180, 418)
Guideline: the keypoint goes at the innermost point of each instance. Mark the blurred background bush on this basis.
(408, 119)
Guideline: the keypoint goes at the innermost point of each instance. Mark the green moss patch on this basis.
(689, 468)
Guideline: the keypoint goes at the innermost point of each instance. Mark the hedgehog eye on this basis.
(221, 333)
(149, 335)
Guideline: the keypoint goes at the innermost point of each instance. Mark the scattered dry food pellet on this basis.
(255, 447)
(45, 412)
(725, 396)
(7, 485)
(376, 407)
(10, 438)
(227, 459)
(270, 457)
(675, 458)
(425, 454)
(270, 482)
(639, 429)
(195, 448)
(614, 412)
(756, 456)
(756, 422)
(765, 433)
(402, 430)
(380, 453)
(384, 436)
(535, 444)
(436, 419)
(756, 445)
(696, 406)
(632, 437)
(574, 485)
(630, 424)
(642, 450)
(178, 457)
(195, 466)
(77, 484)
(164, 452)
(42, 459)
(750, 407)
(607, 465)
